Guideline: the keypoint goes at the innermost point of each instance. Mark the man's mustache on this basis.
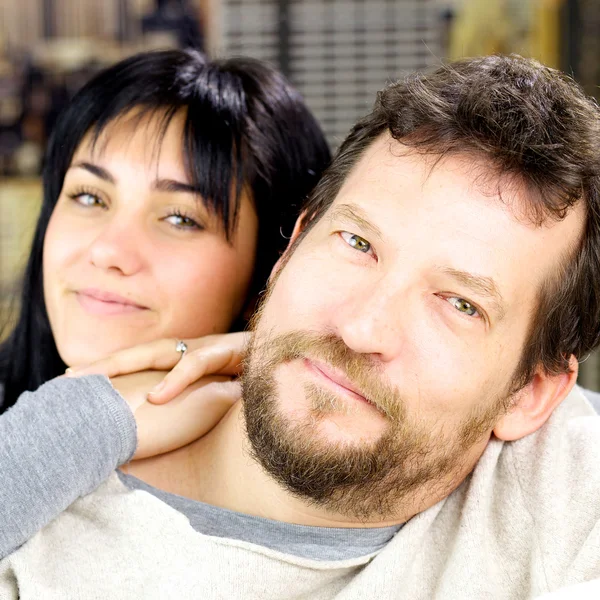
(364, 375)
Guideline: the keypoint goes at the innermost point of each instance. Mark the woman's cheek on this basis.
(205, 293)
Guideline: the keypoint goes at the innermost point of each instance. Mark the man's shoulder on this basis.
(111, 530)
(112, 509)
(555, 477)
(529, 513)
(104, 518)
(563, 456)
(570, 439)
(552, 475)
(592, 397)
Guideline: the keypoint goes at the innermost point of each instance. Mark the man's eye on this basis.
(464, 306)
(356, 242)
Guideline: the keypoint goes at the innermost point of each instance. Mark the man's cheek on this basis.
(303, 299)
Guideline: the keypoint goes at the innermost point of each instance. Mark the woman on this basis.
(167, 185)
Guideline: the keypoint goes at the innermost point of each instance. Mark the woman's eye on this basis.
(182, 222)
(463, 306)
(356, 242)
(86, 199)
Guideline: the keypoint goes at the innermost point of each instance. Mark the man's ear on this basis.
(299, 226)
(535, 403)
(301, 222)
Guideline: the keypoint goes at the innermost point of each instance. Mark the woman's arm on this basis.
(57, 444)
(63, 440)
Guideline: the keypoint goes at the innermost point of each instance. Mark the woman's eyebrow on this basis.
(171, 185)
(161, 185)
(95, 170)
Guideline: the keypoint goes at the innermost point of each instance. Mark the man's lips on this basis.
(336, 378)
(100, 302)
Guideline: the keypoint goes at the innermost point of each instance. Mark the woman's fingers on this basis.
(224, 360)
(159, 355)
(223, 355)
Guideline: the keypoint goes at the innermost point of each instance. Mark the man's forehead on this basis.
(386, 153)
(453, 203)
(389, 166)
(389, 162)
(395, 175)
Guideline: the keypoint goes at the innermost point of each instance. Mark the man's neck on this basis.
(218, 469)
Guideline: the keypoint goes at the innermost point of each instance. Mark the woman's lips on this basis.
(98, 302)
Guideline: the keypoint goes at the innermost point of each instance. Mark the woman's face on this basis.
(131, 254)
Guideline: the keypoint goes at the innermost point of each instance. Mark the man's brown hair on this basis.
(536, 129)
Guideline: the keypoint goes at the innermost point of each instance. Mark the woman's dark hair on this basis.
(245, 127)
(532, 126)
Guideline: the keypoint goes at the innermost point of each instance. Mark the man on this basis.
(409, 426)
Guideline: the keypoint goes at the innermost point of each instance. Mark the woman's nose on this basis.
(118, 247)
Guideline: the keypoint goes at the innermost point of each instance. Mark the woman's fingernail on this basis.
(157, 388)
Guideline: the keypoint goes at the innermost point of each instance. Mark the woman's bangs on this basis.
(211, 149)
(213, 152)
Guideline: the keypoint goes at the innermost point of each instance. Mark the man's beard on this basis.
(364, 480)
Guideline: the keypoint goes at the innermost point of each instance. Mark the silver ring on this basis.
(181, 348)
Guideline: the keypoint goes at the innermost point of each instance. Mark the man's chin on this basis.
(347, 429)
(327, 412)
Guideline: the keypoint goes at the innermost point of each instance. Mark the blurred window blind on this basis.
(338, 53)
(24, 23)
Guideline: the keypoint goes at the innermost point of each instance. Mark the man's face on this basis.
(386, 349)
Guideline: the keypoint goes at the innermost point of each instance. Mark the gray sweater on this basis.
(525, 523)
(57, 444)
(63, 440)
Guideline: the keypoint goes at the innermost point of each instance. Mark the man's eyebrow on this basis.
(95, 170)
(171, 185)
(481, 285)
(354, 214)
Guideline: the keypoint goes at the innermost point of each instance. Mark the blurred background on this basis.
(338, 53)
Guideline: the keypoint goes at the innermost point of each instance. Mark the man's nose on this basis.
(118, 246)
(371, 322)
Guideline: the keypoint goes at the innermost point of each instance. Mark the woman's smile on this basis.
(102, 303)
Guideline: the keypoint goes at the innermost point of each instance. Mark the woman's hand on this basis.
(210, 355)
(188, 417)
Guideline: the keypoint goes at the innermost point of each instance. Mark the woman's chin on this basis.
(84, 353)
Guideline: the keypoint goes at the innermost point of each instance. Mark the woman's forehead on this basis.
(153, 142)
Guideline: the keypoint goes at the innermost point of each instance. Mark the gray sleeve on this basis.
(57, 444)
